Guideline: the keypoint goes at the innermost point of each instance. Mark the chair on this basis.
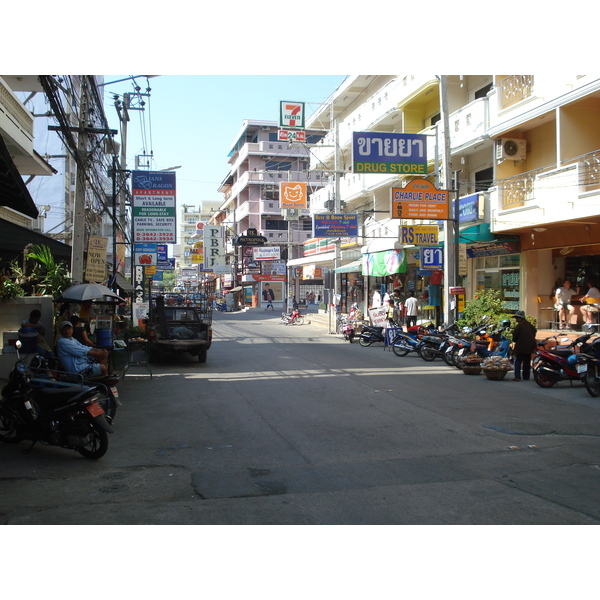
(593, 306)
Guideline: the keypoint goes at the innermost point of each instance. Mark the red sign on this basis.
(457, 290)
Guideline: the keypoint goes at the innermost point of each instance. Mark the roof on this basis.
(13, 191)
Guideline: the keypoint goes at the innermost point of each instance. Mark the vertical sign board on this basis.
(95, 268)
(382, 152)
(153, 200)
(214, 249)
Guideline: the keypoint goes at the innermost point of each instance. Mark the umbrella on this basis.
(88, 291)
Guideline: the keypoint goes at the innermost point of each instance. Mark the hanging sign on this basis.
(292, 194)
(291, 115)
(419, 200)
(95, 268)
(331, 225)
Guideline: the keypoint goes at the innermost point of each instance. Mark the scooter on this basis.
(588, 367)
(371, 335)
(70, 416)
(559, 363)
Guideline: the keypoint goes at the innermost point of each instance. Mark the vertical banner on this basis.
(153, 202)
(95, 268)
(214, 249)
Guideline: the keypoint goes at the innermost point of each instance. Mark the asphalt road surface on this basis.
(292, 425)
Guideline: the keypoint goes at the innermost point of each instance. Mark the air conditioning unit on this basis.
(509, 149)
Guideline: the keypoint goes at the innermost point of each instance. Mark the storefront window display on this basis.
(500, 273)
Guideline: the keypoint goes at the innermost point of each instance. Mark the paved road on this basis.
(292, 425)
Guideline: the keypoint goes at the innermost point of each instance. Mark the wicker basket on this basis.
(495, 374)
(471, 369)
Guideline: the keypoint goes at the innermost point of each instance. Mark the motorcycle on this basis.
(404, 343)
(346, 325)
(371, 335)
(588, 367)
(69, 416)
(559, 363)
(293, 318)
(48, 368)
(435, 344)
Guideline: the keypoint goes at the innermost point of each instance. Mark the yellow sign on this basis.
(419, 235)
(419, 200)
(293, 194)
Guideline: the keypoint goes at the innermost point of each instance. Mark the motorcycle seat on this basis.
(56, 396)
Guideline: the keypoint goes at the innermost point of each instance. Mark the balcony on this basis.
(469, 124)
(275, 236)
(549, 195)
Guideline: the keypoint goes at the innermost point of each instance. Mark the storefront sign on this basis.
(432, 258)
(291, 114)
(493, 250)
(266, 253)
(145, 254)
(331, 225)
(419, 200)
(382, 152)
(290, 135)
(95, 268)
(214, 249)
(292, 194)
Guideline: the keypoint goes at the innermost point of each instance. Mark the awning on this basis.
(123, 283)
(314, 259)
(13, 191)
(351, 267)
(476, 233)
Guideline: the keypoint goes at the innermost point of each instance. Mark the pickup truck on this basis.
(176, 329)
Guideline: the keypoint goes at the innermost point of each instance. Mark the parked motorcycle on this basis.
(293, 318)
(559, 363)
(69, 416)
(404, 343)
(371, 335)
(588, 367)
(49, 368)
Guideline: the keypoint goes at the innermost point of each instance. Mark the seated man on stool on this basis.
(77, 358)
(563, 304)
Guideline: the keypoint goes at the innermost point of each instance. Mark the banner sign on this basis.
(419, 235)
(266, 253)
(291, 115)
(293, 194)
(382, 152)
(331, 225)
(95, 268)
(290, 135)
(419, 200)
(153, 204)
(380, 264)
(492, 250)
(214, 249)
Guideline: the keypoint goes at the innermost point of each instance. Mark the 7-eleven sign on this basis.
(291, 114)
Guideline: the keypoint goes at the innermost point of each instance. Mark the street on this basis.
(292, 425)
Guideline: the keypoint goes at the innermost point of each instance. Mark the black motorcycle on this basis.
(65, 415)
(588, 367)
(371, 335)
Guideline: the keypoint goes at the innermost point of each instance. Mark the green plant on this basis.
(9, 288)
(54, 276)
(486, 303)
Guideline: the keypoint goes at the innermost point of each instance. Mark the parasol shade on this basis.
(88, 291)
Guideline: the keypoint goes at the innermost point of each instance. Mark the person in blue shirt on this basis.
(77, 358)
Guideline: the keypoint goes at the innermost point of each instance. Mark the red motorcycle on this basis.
(559, 363)
(293, 318)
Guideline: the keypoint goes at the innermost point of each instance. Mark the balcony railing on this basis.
(513, 89)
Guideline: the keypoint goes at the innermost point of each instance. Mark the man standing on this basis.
(412, 309)
(525, 344)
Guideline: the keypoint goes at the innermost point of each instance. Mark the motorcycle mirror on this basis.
(18, 344)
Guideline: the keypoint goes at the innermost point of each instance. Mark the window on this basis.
(273, 225)
(278, 165)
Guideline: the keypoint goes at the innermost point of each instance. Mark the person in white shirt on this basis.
(588, 310)
(563, 304)
(411, 306)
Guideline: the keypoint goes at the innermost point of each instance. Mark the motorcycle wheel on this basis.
(459, 358)
(365, 342)
(400, 349)
(543, 378)
(299, 320)
(447, 357)
(427, 354)
(9, 426)
(351, 337)
(592, 384)
(97, 446)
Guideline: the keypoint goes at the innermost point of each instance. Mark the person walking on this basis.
(411, 307)
(525, 343)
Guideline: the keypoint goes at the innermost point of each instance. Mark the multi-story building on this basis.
(523, 153)
(188, 232)
(259, 163)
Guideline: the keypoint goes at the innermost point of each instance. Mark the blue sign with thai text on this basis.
(432, 258)
(382, 152)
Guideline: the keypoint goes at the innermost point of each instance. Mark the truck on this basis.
(186, 327)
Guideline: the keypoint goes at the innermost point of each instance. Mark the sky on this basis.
(192, 121)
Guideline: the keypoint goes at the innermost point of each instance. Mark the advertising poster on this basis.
(153, 206)
(95, 268)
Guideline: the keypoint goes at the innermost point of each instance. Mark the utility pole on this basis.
(78, 247)
(449, 255)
